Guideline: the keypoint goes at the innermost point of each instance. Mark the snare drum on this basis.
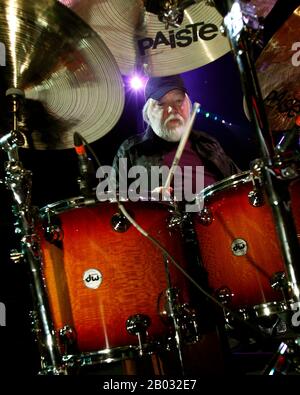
(100, 271)
(239, 246)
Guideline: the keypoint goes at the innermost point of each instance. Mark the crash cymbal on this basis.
(278, 70)
(70, 79)
(137, 39)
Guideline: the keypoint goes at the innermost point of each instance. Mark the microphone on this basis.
(289, 138)
(85, 167)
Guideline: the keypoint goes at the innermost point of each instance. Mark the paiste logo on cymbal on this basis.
(181, 38)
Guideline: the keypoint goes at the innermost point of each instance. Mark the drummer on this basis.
(167, 111)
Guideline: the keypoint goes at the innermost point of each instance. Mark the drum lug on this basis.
(224, 295)
(68, 337)
(52, 228)
(54, 234)
(205, 217)
(137, 325)
(279, 282)
(256, 198)
(120, 223)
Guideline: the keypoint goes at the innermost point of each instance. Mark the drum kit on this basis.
(102, 291)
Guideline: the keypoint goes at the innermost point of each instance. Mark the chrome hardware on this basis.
(16, 256)
(269, 309)
(205, 217)
(256, 198)
(167, 296)
(279, 282)
(239, 247)
(242, 17)
(188, 322)
(32, 244)
(68, 337)
(185, 315)
(54, 233)
(137, 325)
(119, 223)
(35, 327)
(176, 219)
(224, 295)
(256, 167)
(289, 172)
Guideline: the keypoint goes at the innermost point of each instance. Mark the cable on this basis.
(235, 315)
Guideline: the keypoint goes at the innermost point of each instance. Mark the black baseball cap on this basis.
(157, 87)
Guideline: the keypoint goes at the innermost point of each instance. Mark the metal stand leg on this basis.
(19, 181)
(172, 308)
(240, 40)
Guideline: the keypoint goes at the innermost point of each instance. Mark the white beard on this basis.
(172, 134)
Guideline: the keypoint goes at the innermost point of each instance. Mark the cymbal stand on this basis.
(19, 181)
(241, 27)
(171, 300)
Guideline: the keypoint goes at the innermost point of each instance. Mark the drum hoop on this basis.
(111, 355)
(64, 205)
(232, 181)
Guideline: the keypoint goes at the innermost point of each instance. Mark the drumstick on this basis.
(182, 144)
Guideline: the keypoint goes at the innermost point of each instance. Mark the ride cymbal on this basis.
(138, 40)
(70, 79)
(278, 70)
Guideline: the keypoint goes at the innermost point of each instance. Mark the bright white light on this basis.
(136, 83)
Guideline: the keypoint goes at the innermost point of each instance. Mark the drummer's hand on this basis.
(163, 193)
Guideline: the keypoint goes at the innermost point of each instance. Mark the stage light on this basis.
(137, 83)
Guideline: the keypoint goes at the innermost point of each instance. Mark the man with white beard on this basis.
(166, 112)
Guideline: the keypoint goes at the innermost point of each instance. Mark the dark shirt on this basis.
(149, 150)
(189, 158)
